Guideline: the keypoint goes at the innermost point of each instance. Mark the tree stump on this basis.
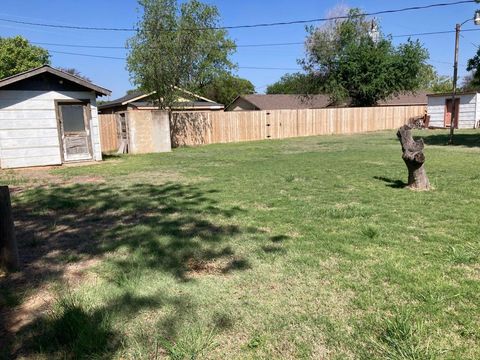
(8, 242)
(414, 159)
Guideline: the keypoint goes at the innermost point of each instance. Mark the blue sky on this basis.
(111, 73)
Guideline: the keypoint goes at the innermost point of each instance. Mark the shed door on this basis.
(448, 112)
(74, 123)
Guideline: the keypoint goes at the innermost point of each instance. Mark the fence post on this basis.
(8, 242)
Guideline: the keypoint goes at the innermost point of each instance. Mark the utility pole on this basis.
(453, 119)
(458, 27)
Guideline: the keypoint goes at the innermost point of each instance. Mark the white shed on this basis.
(467, 109)
(48, 117)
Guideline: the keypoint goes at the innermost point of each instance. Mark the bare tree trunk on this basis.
(8, 242)
(414, 159)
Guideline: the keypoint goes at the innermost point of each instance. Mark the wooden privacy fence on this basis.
(223, 127)
(199, 128)
(108, 132)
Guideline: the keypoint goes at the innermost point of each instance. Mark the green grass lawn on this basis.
(302, 248)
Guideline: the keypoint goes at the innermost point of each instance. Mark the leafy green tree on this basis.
(352, 63)
(177, 47)
(469, 84)
(473, 65)
(433, 82)
(296, 83)
(224, 89)
(18, 55)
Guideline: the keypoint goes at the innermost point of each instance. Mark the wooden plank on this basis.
(224, 127)
(8, 242)
(108, 132)
(32, 161)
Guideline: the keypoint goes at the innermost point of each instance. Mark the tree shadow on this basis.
(166, 228)
(468, 140)
(395, 184)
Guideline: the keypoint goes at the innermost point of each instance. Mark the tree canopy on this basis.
(296, 83)
(431, 81)
(18, 55)
(225, 88)
(473, 65)
(351, 62)
(176, 46)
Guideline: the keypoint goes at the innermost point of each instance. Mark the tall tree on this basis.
(473, 65)
(18, 55)
(225, 88)
(431, 81)
(177, 46)
(296, 83)
(353, 61)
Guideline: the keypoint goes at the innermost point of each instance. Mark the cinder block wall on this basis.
(149, 131)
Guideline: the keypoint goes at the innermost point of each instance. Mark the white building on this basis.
(48, 117)
(467, 109)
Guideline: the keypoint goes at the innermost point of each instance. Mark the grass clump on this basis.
(403, 338)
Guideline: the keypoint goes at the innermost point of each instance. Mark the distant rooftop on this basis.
(286, 101)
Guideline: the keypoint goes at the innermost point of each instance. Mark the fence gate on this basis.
(122, 134)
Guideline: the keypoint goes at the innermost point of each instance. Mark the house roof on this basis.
(135, 96)
(62, 74)
(285, 101)
(418, 98)
(458, 93)
(184, 105)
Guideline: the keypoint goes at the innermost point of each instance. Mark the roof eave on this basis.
(48, 69)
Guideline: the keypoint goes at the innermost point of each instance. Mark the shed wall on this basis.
(149, 131)
(477, 116)
(468, 115)
(28, 127)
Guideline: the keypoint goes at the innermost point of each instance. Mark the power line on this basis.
(87, 55)
(80, 46)
(433, 33)
(244, 45)
(240, 67)
(122, 58)
(282, 23)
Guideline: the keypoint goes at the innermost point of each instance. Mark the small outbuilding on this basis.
(48, 117)
(135, 124)
(467, 110)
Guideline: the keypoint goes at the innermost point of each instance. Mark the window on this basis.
(73, 118)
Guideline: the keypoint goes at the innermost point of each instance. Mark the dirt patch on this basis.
(28, 178)
(198, 267)
(38, 303)
(222, 266)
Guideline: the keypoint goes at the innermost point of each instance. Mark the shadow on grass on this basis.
(395, 184)
(164, 228)
(111, 156)
(468, 140)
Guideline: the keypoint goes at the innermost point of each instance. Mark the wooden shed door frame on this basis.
(447, 120)
(123, 132)
(75, 135)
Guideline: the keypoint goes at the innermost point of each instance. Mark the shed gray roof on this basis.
(180, 105)
(48, 69)
(139, 97)
(121, 100)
